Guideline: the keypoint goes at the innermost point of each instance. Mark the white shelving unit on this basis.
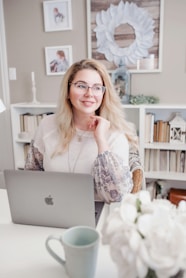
(17, 110)
(134, 113)
(165, 113)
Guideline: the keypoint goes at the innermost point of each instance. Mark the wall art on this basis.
(126, 33)
(57, 15)
(58, 59)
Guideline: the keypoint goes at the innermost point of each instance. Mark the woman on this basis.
(88, 133)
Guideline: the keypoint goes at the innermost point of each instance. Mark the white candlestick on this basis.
(34, 100)
(33, 77)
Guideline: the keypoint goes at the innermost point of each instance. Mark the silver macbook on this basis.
(52, 199)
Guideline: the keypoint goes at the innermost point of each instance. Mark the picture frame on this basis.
(57, 15)
(58, 59)
(117, 36)
(121, 79)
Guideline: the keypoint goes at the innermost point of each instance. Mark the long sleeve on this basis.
(134, 159)
(34, 160)
(112, 178)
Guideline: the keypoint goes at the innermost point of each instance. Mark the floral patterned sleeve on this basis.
(134, 159)
(34, 160)
(112, 178)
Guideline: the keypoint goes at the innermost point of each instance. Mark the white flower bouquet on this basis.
(147, 238)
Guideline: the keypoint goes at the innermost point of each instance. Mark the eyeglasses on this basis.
(97, 89)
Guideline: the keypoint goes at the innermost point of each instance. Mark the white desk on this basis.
(23, 253)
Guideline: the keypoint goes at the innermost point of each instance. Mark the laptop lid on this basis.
(51, 199)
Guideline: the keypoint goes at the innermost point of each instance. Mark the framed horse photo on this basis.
(126, 33)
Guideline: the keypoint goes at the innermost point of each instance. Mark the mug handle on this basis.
(51, 251)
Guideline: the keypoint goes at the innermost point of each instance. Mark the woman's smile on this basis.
(88, 103)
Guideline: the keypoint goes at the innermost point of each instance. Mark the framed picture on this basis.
(57, 15)
(126, 33)
(121, 81)
(58, 59)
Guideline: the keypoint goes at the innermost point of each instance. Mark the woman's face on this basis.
(84, 99)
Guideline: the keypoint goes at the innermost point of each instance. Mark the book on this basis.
(21, 117)
(156, 160)
(147, 160)
(26, 149)
(172, 161)
(182, 161)
(149, 127)
(155, 136)
(185, 163)
(160, 131)
(30, 124)
(164, 160)
(167, 132)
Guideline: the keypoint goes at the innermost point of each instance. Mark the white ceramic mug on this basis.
(80, 245)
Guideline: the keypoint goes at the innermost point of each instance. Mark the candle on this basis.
(33, 77)
(33, 88)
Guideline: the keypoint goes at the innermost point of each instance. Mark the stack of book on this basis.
(29, 122)
(165, 160)
(156, 131)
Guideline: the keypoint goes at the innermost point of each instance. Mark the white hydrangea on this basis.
(145, 234)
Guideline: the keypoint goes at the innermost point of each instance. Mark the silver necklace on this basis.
(80, 140)
(80, 136)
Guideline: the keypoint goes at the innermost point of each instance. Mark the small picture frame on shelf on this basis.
(57, 15)
(58, 59)
(121, 80)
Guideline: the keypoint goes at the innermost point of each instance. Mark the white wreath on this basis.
(114, 16)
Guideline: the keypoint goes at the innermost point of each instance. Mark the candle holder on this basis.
(34, 99)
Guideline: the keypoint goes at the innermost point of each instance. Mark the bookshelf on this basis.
(168, 167)
(21, 140)
(135, 114)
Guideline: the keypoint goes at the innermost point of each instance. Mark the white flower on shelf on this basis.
(147, 237)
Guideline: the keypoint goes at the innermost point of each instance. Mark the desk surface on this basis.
(23, 253)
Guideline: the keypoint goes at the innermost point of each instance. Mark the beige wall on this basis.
(170, 84)
(26, 40)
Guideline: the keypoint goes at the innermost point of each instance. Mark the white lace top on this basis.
(110, 169)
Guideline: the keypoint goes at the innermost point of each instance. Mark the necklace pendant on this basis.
(79, 139)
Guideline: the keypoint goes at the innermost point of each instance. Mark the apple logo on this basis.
(49, 200)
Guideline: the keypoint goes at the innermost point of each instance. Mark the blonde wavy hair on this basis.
(110, 109)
